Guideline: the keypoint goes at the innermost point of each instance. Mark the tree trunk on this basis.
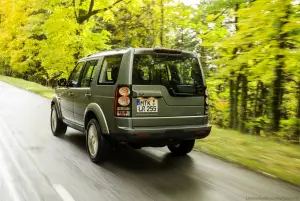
(162, 18)
(260, 96)
(256, 128)
(232, 88)
(296, 135)
(279, 74)
(232, 103)
(276, 99)
(152, 33)
(244, 100)
(236, 97)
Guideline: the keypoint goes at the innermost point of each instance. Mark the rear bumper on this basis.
(162, 134)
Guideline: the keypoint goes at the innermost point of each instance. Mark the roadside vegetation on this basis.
(262, 154)
(30, 86)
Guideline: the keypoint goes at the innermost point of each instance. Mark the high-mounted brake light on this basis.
(123, 101)
(166, 51)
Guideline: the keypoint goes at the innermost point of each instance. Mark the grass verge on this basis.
(30, 86)
(260, 154)
(257, 153)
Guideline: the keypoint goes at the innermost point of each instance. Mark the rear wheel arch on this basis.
(94, 111)
(88, 116)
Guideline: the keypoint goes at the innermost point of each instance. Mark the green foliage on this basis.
(288, 128)
(264, 35)
(262, 154)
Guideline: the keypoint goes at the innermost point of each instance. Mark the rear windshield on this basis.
(180, 74)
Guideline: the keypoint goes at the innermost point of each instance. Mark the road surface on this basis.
(34, 165)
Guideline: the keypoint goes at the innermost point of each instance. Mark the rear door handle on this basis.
(147, 93)
(88, 95)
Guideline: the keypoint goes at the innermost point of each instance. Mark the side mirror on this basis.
(62, 82)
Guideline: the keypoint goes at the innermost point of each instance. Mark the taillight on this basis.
(206, 102)
(124, 91)
(123, 101)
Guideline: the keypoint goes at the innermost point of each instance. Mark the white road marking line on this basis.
(13, 158)
(64, 194)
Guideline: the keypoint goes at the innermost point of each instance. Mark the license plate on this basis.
(146, 105)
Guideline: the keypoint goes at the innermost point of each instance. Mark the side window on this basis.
(88, 73)
(75, 75)
(110, 69)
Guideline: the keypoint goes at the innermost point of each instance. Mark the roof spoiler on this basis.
(160, 50)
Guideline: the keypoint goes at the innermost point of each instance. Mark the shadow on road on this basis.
(168, 175)
(77, 139)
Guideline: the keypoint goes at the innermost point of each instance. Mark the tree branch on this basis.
(74, 5)
(292, 80)
(94, 12)
(91, 6)
(219, 15)
(36, 12)
(216, 18)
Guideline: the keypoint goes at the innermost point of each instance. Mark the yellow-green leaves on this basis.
(108, 16)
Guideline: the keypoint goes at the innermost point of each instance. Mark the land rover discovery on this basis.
(138, 96)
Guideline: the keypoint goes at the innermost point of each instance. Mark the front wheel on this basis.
(182, 148)
(98, 146)
(58, 127)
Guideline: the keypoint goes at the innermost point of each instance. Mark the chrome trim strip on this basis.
(172, 117)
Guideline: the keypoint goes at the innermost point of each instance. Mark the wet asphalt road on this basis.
(34, 165)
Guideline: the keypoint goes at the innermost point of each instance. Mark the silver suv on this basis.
(137, 96)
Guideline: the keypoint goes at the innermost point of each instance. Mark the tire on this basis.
(98, 146)
(58, 127)
(182, 148)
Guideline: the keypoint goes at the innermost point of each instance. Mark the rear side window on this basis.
(180, 74)
(75, 75)
(110, 69)
(88, 73)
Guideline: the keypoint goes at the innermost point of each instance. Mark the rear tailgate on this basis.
(164, 95)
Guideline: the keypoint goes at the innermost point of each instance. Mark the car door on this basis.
(82, 94)
(67, 95)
